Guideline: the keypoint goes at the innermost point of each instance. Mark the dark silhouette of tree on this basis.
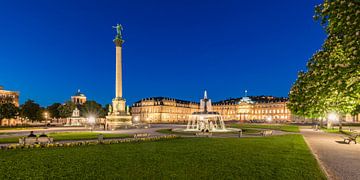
(8, 111)
(54, 110)
(92, 108)
(31, 110)
(65, 110)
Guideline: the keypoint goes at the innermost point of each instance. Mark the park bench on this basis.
(266, 133)
(45, 140)
(141, 135)
(203, 134)
(350, 138)
(35, 140)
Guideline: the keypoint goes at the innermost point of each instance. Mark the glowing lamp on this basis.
(91, 120)
(333, 117)
(269, 119)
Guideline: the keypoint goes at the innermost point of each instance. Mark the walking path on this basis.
(340, 160)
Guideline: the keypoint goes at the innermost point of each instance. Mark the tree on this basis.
(8, 111)
(54, 110)
(31, 110)
(332, 80)
(65, 110)
(92, 108)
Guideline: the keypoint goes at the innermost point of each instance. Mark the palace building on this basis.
(9, 97)
(252, 108)
(163, 110)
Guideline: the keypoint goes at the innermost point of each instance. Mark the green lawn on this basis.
(281, 127)
(68, 136)
(336, 130)
(276, 157)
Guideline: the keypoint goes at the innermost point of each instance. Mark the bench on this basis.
(266, 133)
(35, 140)
(203, 134)
(141, 135)
(350, 138)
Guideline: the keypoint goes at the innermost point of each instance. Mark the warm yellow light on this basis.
(91, 120)
(333, 117)
(46, 115)
(269, 119)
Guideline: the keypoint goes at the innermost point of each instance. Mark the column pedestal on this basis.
(119, 117)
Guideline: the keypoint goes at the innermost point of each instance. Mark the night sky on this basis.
(49, 49)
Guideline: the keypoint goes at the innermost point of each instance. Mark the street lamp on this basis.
(332, 118)
(269, 119)
(46, 116)
(91, 121)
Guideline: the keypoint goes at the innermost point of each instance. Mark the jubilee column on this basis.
(118, 115)
(118, 43)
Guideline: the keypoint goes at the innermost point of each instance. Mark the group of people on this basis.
(34, 135)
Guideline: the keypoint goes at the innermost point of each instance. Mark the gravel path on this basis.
(340, 161)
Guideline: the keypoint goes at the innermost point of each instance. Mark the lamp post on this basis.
(91, 121)
(46, 115)
(332, 117)
(269, 119)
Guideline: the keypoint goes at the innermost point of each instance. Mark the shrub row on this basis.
(86, 143)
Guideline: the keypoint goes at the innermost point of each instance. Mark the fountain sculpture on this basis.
(206, 120)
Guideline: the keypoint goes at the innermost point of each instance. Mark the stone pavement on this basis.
(340, 160)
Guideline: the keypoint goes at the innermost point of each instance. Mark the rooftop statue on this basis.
(118, 28)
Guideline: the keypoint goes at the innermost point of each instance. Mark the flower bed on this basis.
(86, 143)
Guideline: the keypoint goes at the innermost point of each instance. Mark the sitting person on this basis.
(43, 135)
(31, 134)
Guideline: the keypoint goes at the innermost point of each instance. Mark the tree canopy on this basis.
(31, 110)
(92, 108)
(8, 111)
(332, 80)
(54, 110)
(65, 110)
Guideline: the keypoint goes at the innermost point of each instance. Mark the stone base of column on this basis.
(118, 121)
(119, 106)
(119, 117)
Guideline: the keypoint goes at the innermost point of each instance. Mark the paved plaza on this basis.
(340, 160)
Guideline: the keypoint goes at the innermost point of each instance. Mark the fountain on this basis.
(206, 120)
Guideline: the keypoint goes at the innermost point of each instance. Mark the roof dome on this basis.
(78, 93)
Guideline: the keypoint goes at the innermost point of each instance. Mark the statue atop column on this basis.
(118, 28)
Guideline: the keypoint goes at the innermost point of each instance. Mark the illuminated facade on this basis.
(78, 98)
(163, 110)
(9, 97)
(263, 108)
(168, 110)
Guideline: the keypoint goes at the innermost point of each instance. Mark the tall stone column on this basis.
(118, 116)
(118, 90)
(118, 101)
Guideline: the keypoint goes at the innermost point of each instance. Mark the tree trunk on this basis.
(321, 122)
(340, 123)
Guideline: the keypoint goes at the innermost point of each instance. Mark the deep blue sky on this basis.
(49, 49)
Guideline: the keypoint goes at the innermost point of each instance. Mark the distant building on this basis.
(261, 108)
(9, 97)
(78, 98)
(253, 108)
(163, 110)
